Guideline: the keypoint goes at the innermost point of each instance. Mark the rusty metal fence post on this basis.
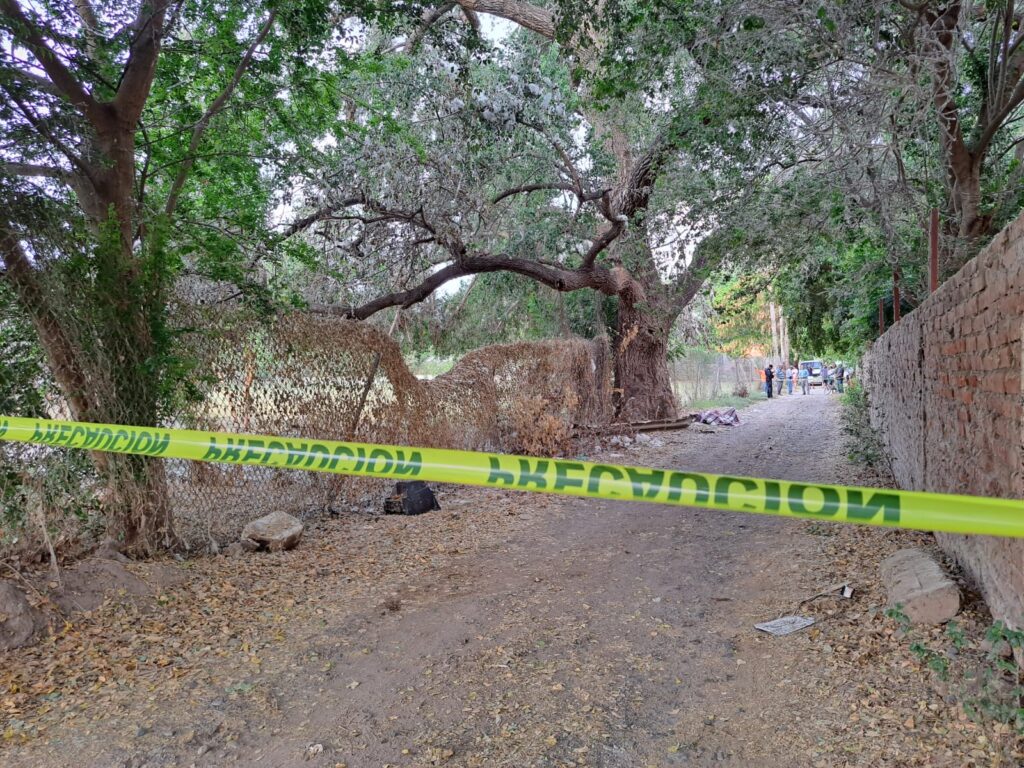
(933, 252)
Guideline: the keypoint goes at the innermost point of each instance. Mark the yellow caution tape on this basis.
(871, 506)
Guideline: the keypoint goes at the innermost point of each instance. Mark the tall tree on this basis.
(105, 125)
(624, 147)
(76, 85)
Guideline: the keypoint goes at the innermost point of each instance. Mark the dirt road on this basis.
(515, 630)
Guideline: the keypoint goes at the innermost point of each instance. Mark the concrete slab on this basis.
(916, 582)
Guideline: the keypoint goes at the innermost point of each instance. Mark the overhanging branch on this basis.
(321, 214)
(61, 77)
(216, 106)
(532, 17)
(527, 188)
(608, 281)
(29, 169)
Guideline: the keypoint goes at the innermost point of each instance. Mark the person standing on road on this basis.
(791, 380)
(781, 380)
(840, 375)
(769, 375)
(804, 376)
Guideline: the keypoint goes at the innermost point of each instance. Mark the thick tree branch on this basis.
(472, 19)
(31, 35)
(690, 280)
(321, 214)
(137, 75)
(532, 17)
(29, 169)
(429, 17)
(608, 281)
(635, 194)
(526, 188)
(87, 15)
(31, 78)
(216, 105)
(21, 275)
(605, 238)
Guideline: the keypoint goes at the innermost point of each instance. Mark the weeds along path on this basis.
(515, 630)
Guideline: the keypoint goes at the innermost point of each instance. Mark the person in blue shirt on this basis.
(804, 376)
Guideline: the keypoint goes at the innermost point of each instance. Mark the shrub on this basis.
(865, 446)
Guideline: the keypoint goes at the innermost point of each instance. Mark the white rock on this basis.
(277, 531)
(916, 582)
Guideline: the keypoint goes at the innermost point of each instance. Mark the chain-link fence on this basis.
(305, 376)
(701, 376)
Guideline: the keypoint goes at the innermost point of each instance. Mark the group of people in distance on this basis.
(833, 378)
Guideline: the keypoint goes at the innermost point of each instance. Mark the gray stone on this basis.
(17, 618)
(234, 550)
(916, 582)
(109, 549)
(277, 532)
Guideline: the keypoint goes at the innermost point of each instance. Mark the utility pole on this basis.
(895, 296)
(784, 334)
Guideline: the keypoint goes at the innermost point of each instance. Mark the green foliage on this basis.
(864, 445)
(993, 688)
(23, 376)
(741, 314)
(1001, 694)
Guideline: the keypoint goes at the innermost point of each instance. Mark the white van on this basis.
(815, 371)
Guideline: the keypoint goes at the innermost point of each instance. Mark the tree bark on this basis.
(525, 14)
(103, 357)
(784, 335)
(137, 506)
(53, 336)
(642, 375)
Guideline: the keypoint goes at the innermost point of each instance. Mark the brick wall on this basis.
(946, 395)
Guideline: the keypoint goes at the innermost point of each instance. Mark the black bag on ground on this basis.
(412, 498)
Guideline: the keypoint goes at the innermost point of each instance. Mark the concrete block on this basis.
(916, 582)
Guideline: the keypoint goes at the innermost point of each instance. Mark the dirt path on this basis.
(515, 630)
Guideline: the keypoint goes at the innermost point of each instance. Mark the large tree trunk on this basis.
(99, 360)
(641, 363)
(137, 508)
(101, 349)
(136, 505)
